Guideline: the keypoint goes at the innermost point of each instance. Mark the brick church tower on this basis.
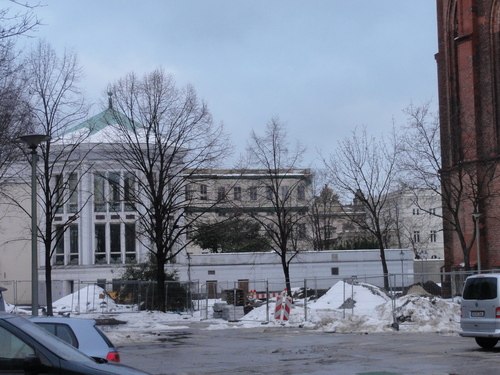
(469, 102)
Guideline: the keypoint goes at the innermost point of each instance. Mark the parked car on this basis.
(480, 306)
(83, 334)
(26, 348)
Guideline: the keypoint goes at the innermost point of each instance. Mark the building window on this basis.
(129, 191)
(416, 211)
(432, 211)
(203, 192)
(301, 193)
(301, 231)
(130, 253)
(73, 193)
(237, 193)
(59, 258)
(73, 244)
(269, 192)
(114, 192)
(189, 192)
(433, 236)
(211, 272)
(416, 236)
(115, 249)
(328, 232)
(253, 193)
(221, 193)
(100, 244)
(335, 271)
(284, 192)
(59, 193)
(99, 200)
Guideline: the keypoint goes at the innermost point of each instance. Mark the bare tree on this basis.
(284, 189)
(16, 21)
(364, 168)
(324, 209)
(19, 20)
(464, 187)
(164, 137)
(56, 104)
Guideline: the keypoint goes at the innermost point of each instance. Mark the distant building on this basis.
(216, 195)
(331, 223)
(418, 223)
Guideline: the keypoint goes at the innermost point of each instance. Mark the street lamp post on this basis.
(475, 216)
(33, 140)
(402, 257)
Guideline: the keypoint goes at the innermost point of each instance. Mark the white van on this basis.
(480, 308)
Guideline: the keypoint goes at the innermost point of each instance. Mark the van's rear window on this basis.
(480, 288)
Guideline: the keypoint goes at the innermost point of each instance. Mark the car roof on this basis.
(90, 339)
(481, 275)
(74, 322)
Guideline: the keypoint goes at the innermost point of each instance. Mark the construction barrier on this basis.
(283, 307)
(260, 295)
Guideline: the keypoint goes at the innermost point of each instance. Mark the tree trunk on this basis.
(161, 284)
(385, 270)
(286, 272)
(48, 285)
(467, 260)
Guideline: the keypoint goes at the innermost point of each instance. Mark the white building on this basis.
(251, 193)
(101, 237)
(417, 215)
(256, 271)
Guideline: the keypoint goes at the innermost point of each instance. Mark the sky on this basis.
(323, 67)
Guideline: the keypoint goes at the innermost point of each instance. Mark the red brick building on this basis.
(469, 101)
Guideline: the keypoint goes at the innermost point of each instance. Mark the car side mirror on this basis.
(32, 365)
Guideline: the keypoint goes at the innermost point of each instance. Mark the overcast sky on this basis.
(323, 67)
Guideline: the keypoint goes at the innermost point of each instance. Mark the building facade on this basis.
(253, 194)
(418, 222)
(468, 63)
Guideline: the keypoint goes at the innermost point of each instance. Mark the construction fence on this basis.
(233, 300)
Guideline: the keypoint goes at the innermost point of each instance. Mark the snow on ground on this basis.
(345, 308)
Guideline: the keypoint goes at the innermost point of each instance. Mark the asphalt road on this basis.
(282, 350)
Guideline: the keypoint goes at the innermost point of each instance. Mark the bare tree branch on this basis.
(166, 136)
(365, 169)
(286, 219)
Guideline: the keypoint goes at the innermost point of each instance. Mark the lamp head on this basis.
(33, 140)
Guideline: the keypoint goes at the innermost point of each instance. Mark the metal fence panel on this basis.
(239, 297)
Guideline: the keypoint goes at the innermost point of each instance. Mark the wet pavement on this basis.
(282, 350)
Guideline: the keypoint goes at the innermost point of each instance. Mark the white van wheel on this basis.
(486, 342)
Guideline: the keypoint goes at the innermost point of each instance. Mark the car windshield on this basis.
(55, 345)
(480, 288)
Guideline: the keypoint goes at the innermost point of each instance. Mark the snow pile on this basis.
(425, 313)
(89, 299)
(361, 307)
(358, 297)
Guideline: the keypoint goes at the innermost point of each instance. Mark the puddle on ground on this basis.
(175, 337)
